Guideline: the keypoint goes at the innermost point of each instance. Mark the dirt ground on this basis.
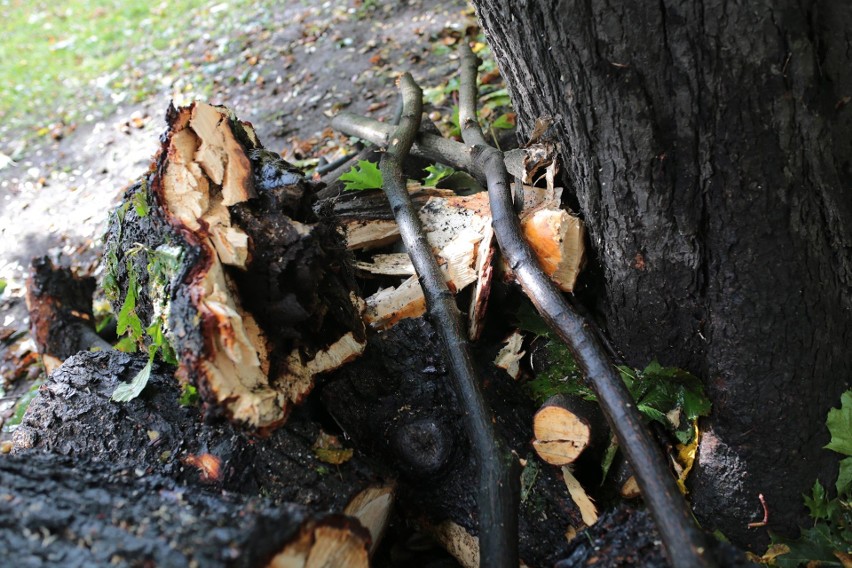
(299, 65)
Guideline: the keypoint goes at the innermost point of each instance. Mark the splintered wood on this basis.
(258, 306)
(459, 230)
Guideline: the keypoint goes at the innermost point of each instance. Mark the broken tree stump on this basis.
(59, 511)
(217, 253)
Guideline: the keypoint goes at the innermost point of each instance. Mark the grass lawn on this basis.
(66, 60)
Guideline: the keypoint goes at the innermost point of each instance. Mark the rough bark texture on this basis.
(74, 416)
(57, 511)
(397, 405)
(626, 537)
(708, 147)
(60, 308)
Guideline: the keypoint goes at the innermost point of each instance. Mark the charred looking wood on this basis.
(684, 543)
(60, 307)
(255, 291)
(73, 415)
(61, 511)
(403, 382)
(498, 479)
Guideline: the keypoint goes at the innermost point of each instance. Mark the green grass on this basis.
(62, 60)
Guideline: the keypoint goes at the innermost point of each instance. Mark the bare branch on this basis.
(685, 544)
(429, 146)
(498, 470)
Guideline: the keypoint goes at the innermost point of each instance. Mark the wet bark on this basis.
(60, 309)
(708, 148)
(60, 511)
(154, 434)
(397, 405)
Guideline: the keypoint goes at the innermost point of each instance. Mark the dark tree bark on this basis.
(56, 511)
(709, 148)
(398, 406)
(74, 416)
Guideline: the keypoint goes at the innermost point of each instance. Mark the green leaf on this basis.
(128, 391)
(529, 320)
(814, 545)
(503, 122)
(818, 503)
(127, 318)
(127, 345)
(436, 174)
(188, 395)
(498, 98)
(609, 456)
(140, 202)
(21, 407)
(462, 183)
(839, 423)
(2, 285)
(528, 477)
(653, 414)
(561, 376)
(364, 175)
(844, 477)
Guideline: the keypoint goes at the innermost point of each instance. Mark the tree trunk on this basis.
(709, 148)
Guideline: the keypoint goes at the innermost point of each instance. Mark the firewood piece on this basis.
(556, 240)
(72, 415)
(261, 300)
(60, 309)
(560, 434)
(684, 542)
(71, 512)
(372, 507)
(497, 494)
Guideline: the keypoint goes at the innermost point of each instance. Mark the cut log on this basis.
(563, 429)
(59, 511)
(396, 405)
(226, 257)
(60, 309)
(73, 415)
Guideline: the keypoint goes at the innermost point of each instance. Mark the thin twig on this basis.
(497, 498)
(333, 165)
(684, 543)
(427, 145)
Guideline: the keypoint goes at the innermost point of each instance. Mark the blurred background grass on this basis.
(74, 60)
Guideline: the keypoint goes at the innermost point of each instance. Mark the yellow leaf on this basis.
(686, 457)
(328, 449)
